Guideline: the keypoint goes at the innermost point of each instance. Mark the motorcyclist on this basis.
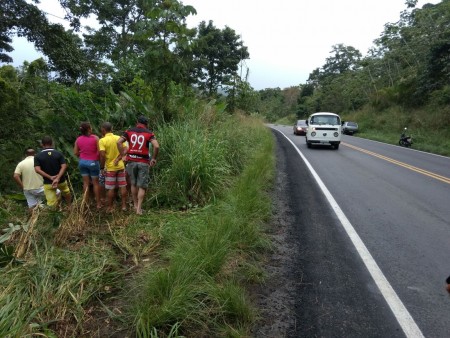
(405, 140)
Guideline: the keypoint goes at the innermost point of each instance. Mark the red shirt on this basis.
(138, 139)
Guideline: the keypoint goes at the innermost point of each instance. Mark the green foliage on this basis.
(276, 103)
(62, 47)
(140, 61)
(428, 126)
(217, 54)
(46, 289)
(200, 154)
(197, 286)
(408, 63)
(195, 169)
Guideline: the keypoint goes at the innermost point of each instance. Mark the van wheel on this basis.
(336, 146)
(308, 144)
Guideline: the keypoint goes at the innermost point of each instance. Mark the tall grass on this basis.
(428, 126)
(198, 285)
(200, 154)
(195, 167)
(52, 289)
(182, 271)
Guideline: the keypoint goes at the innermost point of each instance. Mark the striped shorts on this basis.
(115, 179)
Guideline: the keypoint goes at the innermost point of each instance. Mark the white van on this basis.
(324, 128)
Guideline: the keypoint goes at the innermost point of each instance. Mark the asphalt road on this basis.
(398, 201)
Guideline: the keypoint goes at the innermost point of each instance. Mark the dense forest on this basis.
(142, 59)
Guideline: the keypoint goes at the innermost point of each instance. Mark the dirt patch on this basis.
(275, 299)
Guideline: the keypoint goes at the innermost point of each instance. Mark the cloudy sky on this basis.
(287, 39)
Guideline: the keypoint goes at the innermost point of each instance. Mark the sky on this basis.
(286, 39)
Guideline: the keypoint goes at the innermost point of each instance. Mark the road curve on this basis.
(398, 201)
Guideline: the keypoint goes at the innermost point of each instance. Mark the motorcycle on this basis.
(405, 140)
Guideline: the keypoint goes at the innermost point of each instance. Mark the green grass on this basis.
(195, 284)
(51, 287)
(428, 126)
(287, 120)
(179, 270)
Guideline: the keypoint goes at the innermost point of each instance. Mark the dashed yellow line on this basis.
(402, 164)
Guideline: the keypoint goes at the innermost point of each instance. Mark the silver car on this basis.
(349, 128)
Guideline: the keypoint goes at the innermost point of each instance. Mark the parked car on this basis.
(300, 127)
(349, 128)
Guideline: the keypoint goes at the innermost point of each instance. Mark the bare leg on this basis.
(68, 199)
(123, 195)
(86, 182)
(102, 192)
(130, 194)
(140, 198)
(134, 193)
(96, 187)
(110, 194)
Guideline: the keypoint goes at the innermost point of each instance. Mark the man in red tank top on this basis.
(139, 158)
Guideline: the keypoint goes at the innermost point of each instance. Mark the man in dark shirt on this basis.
(139, 160)
(51, 165)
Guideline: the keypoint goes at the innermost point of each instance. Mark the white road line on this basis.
(399, 310)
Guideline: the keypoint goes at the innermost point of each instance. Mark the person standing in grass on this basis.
(31, 182)
(112, 167)
(51, 165)
(86, 148)
(139, 160)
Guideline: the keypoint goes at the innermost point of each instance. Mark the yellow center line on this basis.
(402, 164)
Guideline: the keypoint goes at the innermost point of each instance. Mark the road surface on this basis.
(397, 200)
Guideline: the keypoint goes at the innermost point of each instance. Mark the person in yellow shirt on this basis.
(31, 182)
(112, 167)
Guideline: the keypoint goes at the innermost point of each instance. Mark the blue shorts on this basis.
(89, 168)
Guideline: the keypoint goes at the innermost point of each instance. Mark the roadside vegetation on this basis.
(179, 270)
(182, 268)
(428, 126)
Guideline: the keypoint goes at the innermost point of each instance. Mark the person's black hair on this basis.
(47, 141)
(84, 128)
(107, 126)
(143, 120)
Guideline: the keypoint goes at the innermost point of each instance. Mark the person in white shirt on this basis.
(31, 182)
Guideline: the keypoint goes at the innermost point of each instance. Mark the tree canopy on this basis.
(217, 53)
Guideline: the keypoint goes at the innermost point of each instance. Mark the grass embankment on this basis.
(429, 126)
(167, 273)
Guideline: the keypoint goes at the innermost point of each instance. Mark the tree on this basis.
(167, 58)
(147, 39)
(343, 59)
(63, 48)
(119, 21)
(217, 54)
